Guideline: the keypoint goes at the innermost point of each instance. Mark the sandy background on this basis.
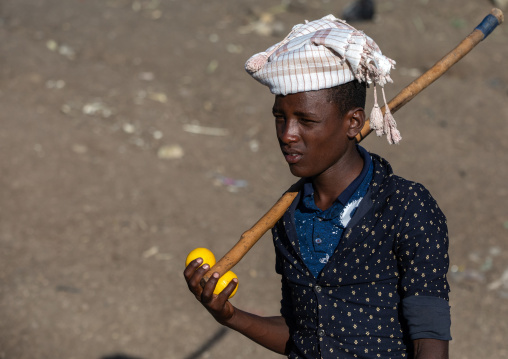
(105, 185)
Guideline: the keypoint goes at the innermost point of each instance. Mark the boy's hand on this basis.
(270, 332)
(218, 305)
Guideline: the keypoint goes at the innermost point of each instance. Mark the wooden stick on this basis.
(251, 236)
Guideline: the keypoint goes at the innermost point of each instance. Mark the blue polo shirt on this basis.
(319, 231)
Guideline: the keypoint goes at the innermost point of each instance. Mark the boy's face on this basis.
(313, 135)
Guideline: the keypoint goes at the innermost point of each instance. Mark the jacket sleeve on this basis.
(422, 254)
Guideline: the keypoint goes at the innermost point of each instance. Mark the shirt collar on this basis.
(308, 189)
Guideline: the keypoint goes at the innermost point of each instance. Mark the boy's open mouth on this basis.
(292, 156)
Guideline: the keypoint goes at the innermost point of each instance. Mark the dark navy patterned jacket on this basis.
(390, 264)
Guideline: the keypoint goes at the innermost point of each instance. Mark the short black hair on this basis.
(348, 96)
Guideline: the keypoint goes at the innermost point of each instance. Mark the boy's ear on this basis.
(356, 120)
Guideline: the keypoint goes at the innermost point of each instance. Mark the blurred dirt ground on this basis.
(130, 134)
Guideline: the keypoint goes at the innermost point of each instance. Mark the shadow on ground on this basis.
(119, 356)
(209, 344)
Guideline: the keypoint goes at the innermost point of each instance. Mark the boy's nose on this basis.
(289, 132)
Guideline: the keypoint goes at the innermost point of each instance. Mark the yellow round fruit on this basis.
(204, 253)
(224, 281)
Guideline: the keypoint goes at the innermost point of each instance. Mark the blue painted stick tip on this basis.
(488, 25)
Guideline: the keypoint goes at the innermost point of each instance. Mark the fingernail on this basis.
(216, 275)
(199, 260)
(206, 266)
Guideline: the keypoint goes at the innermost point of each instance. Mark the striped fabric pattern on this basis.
(320, 54)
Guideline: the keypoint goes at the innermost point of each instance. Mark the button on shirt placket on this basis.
(320, 247)
(319, 236)
(319, 299)
(325, 237)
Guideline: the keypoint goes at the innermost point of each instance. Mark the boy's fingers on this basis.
(226, 292)
(195, 278)
(191, 268)
(207, 294)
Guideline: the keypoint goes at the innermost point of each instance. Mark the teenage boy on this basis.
(362, 253)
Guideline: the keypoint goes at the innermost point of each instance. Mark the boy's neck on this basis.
(331, 183)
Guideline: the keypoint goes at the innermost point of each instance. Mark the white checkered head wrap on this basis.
(322, 54)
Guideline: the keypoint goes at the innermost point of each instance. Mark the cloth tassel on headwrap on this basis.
(390, 126)
(376, 117)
